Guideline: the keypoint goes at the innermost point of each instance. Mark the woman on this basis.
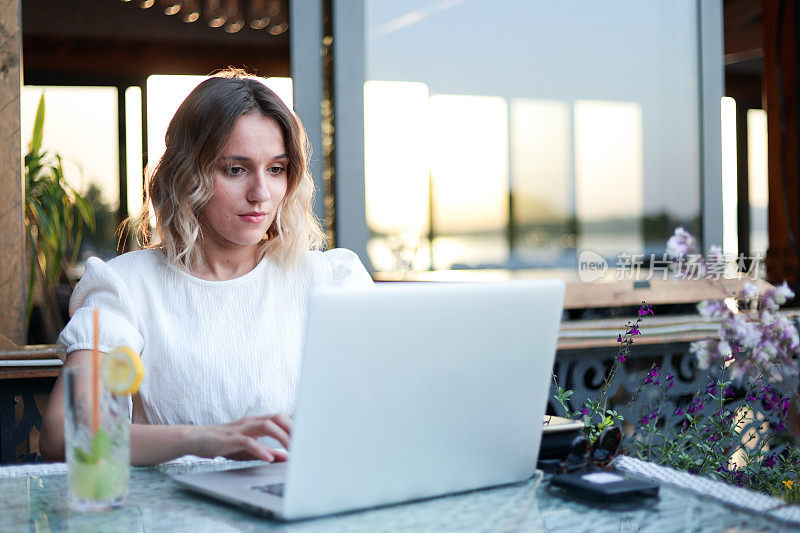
(217, 306)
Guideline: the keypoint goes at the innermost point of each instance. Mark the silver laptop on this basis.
(409, 391)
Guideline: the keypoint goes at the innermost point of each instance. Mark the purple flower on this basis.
(619, 337)
(679, 411)
(681, 243)
(646, 309)
(783, 334)
(765, 351)
(634, 331)
(751, 397)
(705, 351)
(695, 407)
(647, 418)
(621, 358)
(777, 296)
(774, 402)
(712, 308)
(711, 388)
(585, 410)
(715, 437)
(749, 292)
(652, 376)
(742, 331)
(770, 461)
(785, 404)
(728, 392)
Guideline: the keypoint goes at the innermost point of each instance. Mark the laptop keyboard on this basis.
(275, 489)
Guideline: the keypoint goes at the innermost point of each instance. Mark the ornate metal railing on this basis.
(583, 371)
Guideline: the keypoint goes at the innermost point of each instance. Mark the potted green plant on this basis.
(55, 217)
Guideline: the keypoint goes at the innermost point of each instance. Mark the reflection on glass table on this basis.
(35, 499)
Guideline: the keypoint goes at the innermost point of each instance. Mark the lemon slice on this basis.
(122, 370)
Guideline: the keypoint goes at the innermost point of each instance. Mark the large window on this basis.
(518, 134)
(82, 125)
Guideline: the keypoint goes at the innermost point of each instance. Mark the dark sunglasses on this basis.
(585, 457)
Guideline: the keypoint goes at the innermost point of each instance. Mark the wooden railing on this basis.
(25, 373)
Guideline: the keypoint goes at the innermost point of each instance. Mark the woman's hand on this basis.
(154, 444)
(238, 439)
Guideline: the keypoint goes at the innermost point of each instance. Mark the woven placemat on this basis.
(738, 497)
(50, 469)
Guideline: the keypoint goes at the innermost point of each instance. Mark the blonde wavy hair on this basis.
(182, 182)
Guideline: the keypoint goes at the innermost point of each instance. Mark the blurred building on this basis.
(448, 135)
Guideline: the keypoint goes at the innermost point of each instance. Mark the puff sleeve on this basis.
(101, 286)
(347, 269)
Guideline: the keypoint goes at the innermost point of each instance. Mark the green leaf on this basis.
(54, 215)
(87, 214)
(82, 457)
(101, 445)
(38, 128)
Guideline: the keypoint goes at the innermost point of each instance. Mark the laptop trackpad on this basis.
(238, 479)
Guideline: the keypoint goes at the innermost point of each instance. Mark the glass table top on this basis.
(34, 502)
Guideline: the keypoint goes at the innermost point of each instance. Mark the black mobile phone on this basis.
(605, 486)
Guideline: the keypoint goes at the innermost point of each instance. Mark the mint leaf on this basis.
(101, 445)
(81, 456)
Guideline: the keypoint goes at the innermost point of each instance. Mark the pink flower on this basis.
(712, 308)
(705, 351)
(741, 331)
(777, 296)
(749, 292)
(681, 243)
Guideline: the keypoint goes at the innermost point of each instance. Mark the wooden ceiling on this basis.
(744, 51)
(98, 41)
(743, 31)
(95, 41)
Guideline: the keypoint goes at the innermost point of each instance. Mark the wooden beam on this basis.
(743, 28)
(659, 292)
(740, 13)
(12, 244)
(781, 89)
(137, 59)
(743, 43)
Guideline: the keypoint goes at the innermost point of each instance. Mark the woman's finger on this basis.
(280, 457)
(284, 422)
(273, 430)
(252, 447)
(265, 427)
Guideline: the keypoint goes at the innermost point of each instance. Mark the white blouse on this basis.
(213, 351)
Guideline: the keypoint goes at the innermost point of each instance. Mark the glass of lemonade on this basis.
(97, 443)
